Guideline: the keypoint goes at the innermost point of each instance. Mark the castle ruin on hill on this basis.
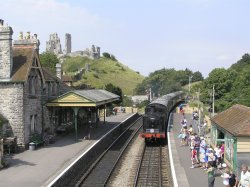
(54, 46)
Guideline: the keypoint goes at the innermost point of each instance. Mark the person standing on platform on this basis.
(203, 147)
(211, 174)
(244, 176)
(226, 176)
(194, 159)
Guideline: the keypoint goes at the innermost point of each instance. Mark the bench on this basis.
(64, 128)
(10, 143)
(37, 139)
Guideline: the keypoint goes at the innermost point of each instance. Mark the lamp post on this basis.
(123, 102)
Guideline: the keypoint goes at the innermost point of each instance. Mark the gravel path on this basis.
(125, 172)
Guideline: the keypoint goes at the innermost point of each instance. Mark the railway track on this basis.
(101, 170)
(153, 168)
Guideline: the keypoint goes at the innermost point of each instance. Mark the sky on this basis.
(145, 35)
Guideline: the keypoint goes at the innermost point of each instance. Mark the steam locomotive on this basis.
(155, 119)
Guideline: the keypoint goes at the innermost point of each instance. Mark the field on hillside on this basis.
(102, 72)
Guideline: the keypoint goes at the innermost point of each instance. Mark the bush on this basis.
(106, 55)
(118, 65)
(96, 75)
(113, 57)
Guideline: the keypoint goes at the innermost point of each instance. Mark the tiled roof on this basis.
(97, 95)
(235, 120)
(66, 78)
(22, 61)
(48, 76)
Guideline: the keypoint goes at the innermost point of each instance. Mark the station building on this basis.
(232, 127)
(26, 88)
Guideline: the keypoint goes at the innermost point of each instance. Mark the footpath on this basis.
(40, 167)
(185, 175)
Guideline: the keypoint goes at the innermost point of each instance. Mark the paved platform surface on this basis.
(181, 157)
(39, 167)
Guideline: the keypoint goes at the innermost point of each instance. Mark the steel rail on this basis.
(93, 166)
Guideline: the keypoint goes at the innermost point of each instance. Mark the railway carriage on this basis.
(155, 119)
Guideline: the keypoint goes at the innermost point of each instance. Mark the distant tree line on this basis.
(165, 81)
(232, 85)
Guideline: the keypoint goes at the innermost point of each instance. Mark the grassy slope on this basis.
(104, 71)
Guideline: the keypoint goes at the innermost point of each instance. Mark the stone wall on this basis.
(32, 106)
(11, 107)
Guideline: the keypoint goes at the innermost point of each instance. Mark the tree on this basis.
(49, 61)
(164, 81)
(113, 58)
(197, 76)
(106, 55)
(242, 63)
(116, 90)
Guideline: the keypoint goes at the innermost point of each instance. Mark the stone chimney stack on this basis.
(59, 70)
(6, 59)
(27, 41)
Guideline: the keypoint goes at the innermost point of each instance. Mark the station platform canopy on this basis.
(76, 99)
(84, 98)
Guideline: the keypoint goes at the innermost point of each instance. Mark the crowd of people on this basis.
(209, 159)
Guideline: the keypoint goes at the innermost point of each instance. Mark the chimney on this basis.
(59, 70)
(6, 58)
(27, 41)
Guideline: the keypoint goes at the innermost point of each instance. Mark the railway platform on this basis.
(181, 157)
(40, 167)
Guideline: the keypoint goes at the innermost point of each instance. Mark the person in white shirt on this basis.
(244, 176)
(226, 176)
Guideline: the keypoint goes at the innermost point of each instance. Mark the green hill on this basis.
(102, 72)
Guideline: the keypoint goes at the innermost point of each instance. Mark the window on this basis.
(32, 85)
(35, 64)
(33, 122)
(53, 89)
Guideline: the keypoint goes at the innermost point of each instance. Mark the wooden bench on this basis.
(10, 143)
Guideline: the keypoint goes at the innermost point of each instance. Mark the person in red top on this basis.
(193, 157)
